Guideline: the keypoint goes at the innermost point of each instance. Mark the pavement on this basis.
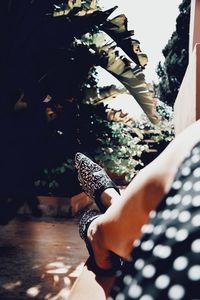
(39, 259)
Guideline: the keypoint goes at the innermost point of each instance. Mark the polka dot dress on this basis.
(165, 262)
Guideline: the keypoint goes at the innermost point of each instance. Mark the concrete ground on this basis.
(39, 259)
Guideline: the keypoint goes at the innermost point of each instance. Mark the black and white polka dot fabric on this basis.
(165, 262)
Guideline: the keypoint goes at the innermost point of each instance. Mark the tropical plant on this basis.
(45, 62)
(120, 155)
(164, 131)
(130, 148)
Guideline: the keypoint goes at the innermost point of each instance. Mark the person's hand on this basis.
(101, 253)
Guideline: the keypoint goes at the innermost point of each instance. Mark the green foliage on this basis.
(172, 71)
(120, 154)
(114, 145)
(120, 148)
(124, 152)
(93, 129)
(162, 132)
(50, 177)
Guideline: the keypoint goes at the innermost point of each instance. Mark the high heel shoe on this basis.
(93, 179)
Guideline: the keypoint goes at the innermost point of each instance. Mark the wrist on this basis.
(108, 234)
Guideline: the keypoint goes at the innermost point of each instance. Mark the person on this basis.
(153, 226)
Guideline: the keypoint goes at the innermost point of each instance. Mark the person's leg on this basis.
(165, 261)
(117, 229)
(109, 197)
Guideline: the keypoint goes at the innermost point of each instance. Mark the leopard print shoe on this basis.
(93, 179)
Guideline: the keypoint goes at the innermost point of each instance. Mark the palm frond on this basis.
(132, 77)
(81, 8)
(117, 29)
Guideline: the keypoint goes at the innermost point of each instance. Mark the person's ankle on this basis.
(96, 239)
(104, 234)
(109, 196)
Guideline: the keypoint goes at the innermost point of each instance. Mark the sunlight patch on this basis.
(11, 285)
(33, 291)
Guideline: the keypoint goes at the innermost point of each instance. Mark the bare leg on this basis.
(109, 197)
(113, 231)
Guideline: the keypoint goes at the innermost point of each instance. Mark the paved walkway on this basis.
(39, 259)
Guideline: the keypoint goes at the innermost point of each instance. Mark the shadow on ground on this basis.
(39, 259)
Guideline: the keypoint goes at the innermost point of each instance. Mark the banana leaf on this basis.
(117, 29)
(132, 77)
